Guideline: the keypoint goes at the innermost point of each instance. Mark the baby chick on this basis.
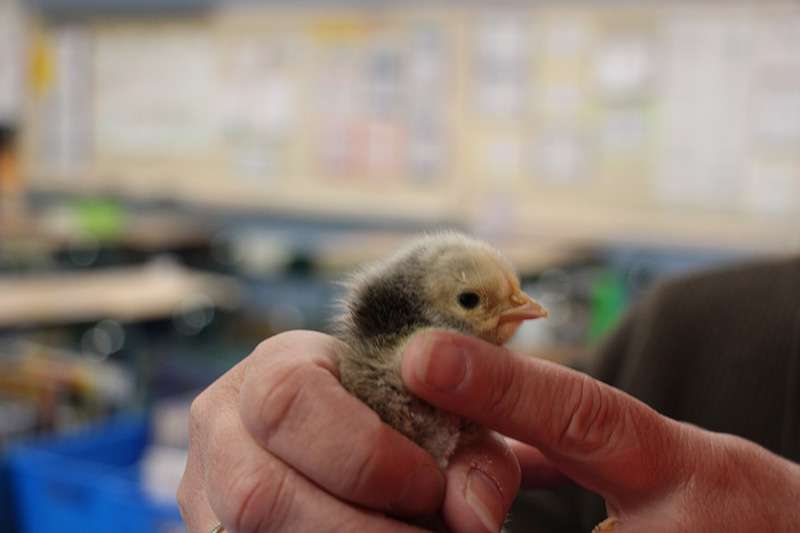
(439, 281)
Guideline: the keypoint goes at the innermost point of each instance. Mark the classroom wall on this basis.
(668, 122)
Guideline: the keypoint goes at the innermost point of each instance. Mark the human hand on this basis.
(278, 445)
(656, 474)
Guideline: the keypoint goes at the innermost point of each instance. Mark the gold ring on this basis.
(219, 528)
(605, 525)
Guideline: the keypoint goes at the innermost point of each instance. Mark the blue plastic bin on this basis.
(88, 481)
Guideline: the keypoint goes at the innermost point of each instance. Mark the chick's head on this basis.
(472, 286)
(442, 280)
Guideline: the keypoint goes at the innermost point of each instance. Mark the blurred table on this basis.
(126, 294)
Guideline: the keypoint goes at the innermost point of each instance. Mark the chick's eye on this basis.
(468, 300)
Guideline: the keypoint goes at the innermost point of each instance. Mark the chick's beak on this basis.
(523, 307)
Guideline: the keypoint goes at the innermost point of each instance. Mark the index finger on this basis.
(599, 436)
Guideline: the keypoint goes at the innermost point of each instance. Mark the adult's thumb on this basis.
(602, 438)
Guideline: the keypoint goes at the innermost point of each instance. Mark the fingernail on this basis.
(483, 496)
(441, 365)
(423, 491)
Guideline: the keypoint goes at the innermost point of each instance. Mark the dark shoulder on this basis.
(773, 283)
(739, 309)
(737, 304)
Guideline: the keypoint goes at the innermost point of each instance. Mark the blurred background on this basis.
(181, 179)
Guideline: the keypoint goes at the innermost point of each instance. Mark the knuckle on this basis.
(357, 480)
(590, 421)
(266, 506)
(256, 499)
(201, 424)
(361, 464)
(505, 398)
(282, 404)
(182, 496)
(197, 409)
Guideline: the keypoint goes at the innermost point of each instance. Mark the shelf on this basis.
(126, 294)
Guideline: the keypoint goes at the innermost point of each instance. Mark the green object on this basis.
(609, 300)
(105, 219)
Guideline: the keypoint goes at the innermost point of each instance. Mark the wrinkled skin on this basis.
(278, 445)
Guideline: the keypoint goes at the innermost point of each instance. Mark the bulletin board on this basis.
(668, 122)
